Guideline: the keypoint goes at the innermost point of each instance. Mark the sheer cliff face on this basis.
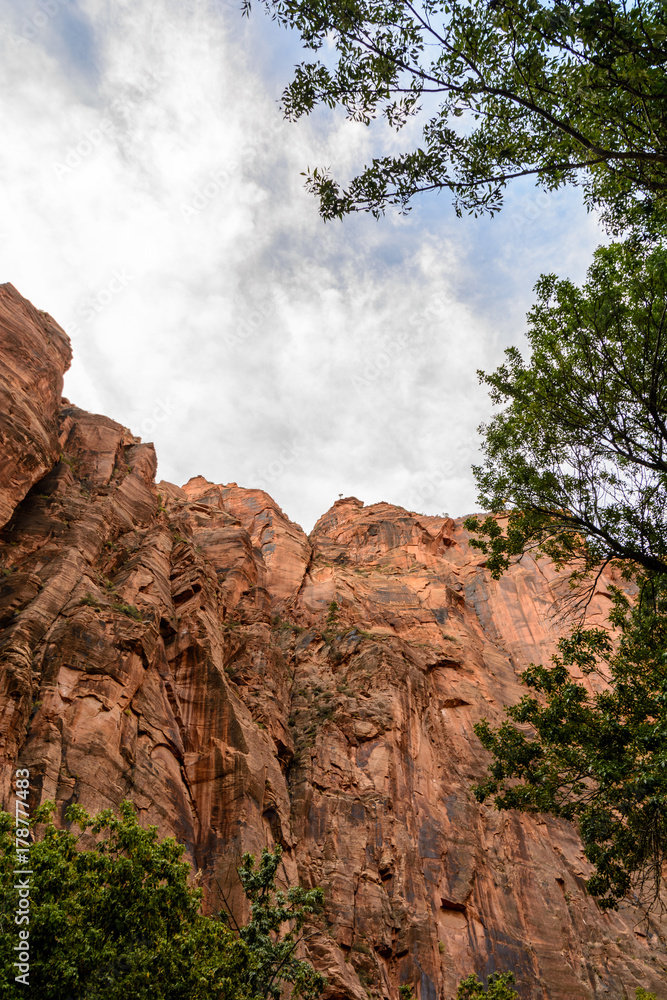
(179, 647)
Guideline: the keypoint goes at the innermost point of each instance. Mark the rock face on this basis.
(192, 650)
(35, 353)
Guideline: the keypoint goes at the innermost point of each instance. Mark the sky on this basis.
(151, 200)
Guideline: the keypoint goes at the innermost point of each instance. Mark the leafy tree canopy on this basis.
(577, 460)
(498, 987)
(576, 464)
(274, 962)
(566, 91)
(122, 920)
(599, 759)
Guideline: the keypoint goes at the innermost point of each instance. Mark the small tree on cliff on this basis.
(576, 464)
(122, 920)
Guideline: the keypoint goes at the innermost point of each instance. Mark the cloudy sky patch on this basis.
(152, 201)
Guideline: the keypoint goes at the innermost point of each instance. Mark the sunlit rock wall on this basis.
(179, 647)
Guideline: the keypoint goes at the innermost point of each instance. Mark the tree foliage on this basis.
(274, 962)
(498, 987)
(566, 91)
(599, 759)
(122, 919)
(577, 459)
(576, 468)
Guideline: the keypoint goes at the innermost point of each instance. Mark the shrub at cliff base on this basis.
(499, 987)
(122, 920)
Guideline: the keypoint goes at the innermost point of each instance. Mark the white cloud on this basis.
(152, 202)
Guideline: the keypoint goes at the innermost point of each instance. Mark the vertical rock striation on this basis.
(189, 648)
(34, 355)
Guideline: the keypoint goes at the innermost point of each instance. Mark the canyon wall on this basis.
(192, 650)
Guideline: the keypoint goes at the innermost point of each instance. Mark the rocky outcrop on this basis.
(34, 355)
(189, 648)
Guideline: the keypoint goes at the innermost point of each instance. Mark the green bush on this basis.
(122, 920)
(498, 988)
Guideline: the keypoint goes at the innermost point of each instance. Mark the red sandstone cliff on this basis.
(179, 647)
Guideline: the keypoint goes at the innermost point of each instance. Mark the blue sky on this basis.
(152, 202)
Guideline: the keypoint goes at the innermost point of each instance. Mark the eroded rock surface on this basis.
(34, 355)
(189, 648)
